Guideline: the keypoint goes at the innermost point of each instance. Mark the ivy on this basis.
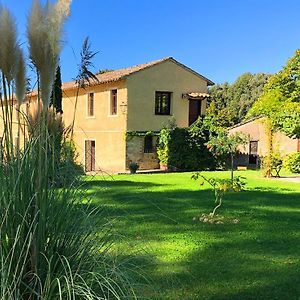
(130, 134)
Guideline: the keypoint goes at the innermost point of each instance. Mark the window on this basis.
(148, 144)
(114, 102)
(162, 103)
(90, 105)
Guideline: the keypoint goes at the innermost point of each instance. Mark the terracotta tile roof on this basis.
(195, 96)
(118, 74)
(123, 73)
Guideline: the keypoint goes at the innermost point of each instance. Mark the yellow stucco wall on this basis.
(107, 130)
(168, 77)
(137, 95)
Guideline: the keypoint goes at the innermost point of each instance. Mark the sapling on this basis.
(225, 143)
(221, 187)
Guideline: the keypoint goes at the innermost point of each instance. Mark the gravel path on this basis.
(289, 179)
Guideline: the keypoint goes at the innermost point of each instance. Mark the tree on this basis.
(231, 102)
(225, 143)
(56, 95)
(280, 105)
(85, 76)
(219, 105)
(220, 187)
(280, 100)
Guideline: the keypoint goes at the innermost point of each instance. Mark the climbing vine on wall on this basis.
(130, 134)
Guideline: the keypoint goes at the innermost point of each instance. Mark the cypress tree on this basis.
(56, 96)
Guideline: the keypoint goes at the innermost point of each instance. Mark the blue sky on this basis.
(220, 39)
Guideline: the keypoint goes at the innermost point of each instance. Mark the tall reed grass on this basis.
(50, 245)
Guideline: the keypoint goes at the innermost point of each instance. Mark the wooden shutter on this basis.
(91, 105)
(114, 102)
(90, 147)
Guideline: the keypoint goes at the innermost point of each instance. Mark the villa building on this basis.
(113, 115)
(117, 118)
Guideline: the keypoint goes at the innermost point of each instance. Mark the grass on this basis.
(258, 258)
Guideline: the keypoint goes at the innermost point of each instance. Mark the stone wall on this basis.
(135, 153)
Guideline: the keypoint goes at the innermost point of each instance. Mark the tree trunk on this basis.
(215, 209)
(231, 156)
(267, 164)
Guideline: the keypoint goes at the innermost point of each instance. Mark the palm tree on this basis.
(85, 76)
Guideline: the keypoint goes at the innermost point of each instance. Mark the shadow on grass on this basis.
(258, 258)
(87, 184)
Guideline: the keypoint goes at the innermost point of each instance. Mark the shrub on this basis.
(133, 167)
(67, 169)
(293, 162)
(184, 148)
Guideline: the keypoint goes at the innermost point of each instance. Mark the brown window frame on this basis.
(161, 108)
(114, 102)
(91, 105)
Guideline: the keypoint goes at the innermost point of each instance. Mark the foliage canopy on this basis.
(280, 100)
(231, 102)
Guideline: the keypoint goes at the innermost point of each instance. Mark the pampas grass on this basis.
(9, 47)
(51, 248)
(44, 33)
(20, 77)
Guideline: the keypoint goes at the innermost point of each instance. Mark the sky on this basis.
(221, 39)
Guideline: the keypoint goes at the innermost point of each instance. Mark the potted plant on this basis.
(133, 167)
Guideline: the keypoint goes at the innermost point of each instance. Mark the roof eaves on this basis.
(245, 122)
(209, 82)
(148, 67)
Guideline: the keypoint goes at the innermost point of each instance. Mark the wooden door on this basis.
(253, 152)
(90, 146)
(194, 110)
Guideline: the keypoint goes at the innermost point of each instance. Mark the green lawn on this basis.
(258, 258)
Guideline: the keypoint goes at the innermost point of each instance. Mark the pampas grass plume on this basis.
(44, 35)
(8, 49)
(20, 77)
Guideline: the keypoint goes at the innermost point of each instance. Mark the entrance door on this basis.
(194, 110)
(90, 146)
(253, 153)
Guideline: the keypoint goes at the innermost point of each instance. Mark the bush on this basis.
(292, 162)
(185, 149)
(67, 169)
(133, 167)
